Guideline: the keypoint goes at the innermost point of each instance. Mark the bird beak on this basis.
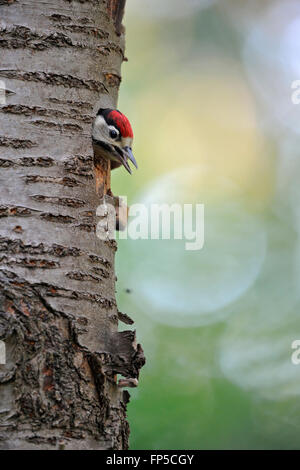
(122, 157)
(123, 160)
(130, 155)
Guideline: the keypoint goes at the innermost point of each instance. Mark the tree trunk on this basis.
(60, 61)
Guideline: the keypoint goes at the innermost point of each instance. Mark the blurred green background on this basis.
(208, 91)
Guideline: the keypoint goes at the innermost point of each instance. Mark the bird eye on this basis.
(113, 134)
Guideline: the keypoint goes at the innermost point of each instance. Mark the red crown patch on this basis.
(121, 122)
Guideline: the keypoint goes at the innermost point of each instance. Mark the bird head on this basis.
(112, 131)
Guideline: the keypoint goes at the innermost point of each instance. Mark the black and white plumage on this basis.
(112, 138)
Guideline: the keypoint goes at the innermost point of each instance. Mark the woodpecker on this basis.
(112, 138)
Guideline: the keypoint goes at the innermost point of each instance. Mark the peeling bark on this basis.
(58, 313)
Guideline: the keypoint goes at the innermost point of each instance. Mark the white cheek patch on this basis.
(99, 127)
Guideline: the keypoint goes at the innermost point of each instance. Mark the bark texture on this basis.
(58, 315)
